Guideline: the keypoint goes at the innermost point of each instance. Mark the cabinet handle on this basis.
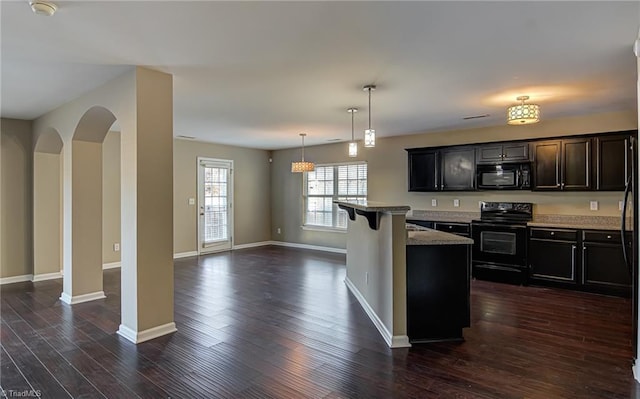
(450, 227)
(584, 260)
(553, 233)
(609, 237)
(558, 185)
(573, 262)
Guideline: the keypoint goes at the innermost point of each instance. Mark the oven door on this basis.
(496, 243)
(492, 177)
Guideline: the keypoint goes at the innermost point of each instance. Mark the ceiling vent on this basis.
(466, 118)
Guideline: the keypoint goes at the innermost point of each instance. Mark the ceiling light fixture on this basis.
(353, 146)
(369, 134)
(302, 166)
(45, 8)
(523, 114)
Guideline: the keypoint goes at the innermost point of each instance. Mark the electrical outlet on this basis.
(593, 205)
(434, 202)
(116, 247)
(456, 203)
(366, 277)
(620, 203)
(192, 201)
(279, 230)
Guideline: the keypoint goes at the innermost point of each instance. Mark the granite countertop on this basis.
(443, 216)
(418, 235)
(579, 222)
(373, 206)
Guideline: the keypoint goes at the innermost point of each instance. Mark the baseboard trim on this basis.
(46, 276)
(16, 279)
(112, 265)
(253, 245)
(73, 300)
(146, 335)
(189, 254)
(394, 341)
(308, 246)
(636, 372)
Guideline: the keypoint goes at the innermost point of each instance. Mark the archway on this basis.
(83, 280)
(47, 206)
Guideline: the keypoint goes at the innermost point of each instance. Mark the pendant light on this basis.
(302, 166)
(353, 145)
(369, 134)
(523, 114)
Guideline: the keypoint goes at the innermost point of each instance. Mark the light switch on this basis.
(434, 202)
(456, 203)
(593, 205)
(192, 201)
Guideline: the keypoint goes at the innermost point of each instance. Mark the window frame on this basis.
(334, 196)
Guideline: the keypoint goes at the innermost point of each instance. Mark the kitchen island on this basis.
(386, 268)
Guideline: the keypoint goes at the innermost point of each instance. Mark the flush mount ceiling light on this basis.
(353, 146)
(523, 114)
(302, 166)
(45, 8)
(369, 134)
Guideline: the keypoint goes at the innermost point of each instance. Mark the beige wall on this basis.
(387, 166)
(47, 205)
(110, 196)
(251, 181)
(16, 245)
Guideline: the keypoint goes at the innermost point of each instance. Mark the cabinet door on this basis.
(424, 171)
(546, 171)
(489, 154)
(516, 152)
(458, 168)
(603, 268)
(551, 260)
(612, 162)
(576, 164)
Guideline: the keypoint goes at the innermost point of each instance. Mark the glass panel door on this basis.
(215, 205)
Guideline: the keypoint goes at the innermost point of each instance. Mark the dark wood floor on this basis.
(273, 322)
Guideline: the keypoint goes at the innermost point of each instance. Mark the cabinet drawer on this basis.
(422, 223)
(601, 236)
(554, 234)
(455, 228)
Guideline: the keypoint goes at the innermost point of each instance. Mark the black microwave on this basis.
(506, 176)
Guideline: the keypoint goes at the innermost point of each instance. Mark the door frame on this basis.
(200, 190)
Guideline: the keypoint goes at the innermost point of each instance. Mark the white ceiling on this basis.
(256, 74)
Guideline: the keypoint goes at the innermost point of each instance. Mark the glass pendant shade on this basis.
(370, 138)
(353, 149)
(523, 114)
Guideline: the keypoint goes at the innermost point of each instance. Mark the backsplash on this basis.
(545, 203)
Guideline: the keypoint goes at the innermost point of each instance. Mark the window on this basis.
(346, 182)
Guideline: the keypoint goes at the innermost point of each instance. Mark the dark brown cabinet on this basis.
(553, 255)
(424, 170)
(613, 162)
(452, 169)
(562, 164)
(508, 152)
(458, 168)
(603, 266)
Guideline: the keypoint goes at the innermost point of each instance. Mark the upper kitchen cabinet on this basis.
(424, 170)
(458, 168)
(612, 161)
(507, 152)
(562, 164)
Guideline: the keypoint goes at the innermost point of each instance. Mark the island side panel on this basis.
(400, 281)
(369, 268)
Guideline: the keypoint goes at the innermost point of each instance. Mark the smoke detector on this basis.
(45, 8)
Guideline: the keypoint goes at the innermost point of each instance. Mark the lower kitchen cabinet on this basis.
(553, 255)
(603, 266)
(588, 260)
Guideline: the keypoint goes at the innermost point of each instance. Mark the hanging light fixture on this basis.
(369, 134)
(302, 166)
(353, 145)
(523, 114)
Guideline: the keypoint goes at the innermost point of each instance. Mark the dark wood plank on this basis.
(275, 322)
